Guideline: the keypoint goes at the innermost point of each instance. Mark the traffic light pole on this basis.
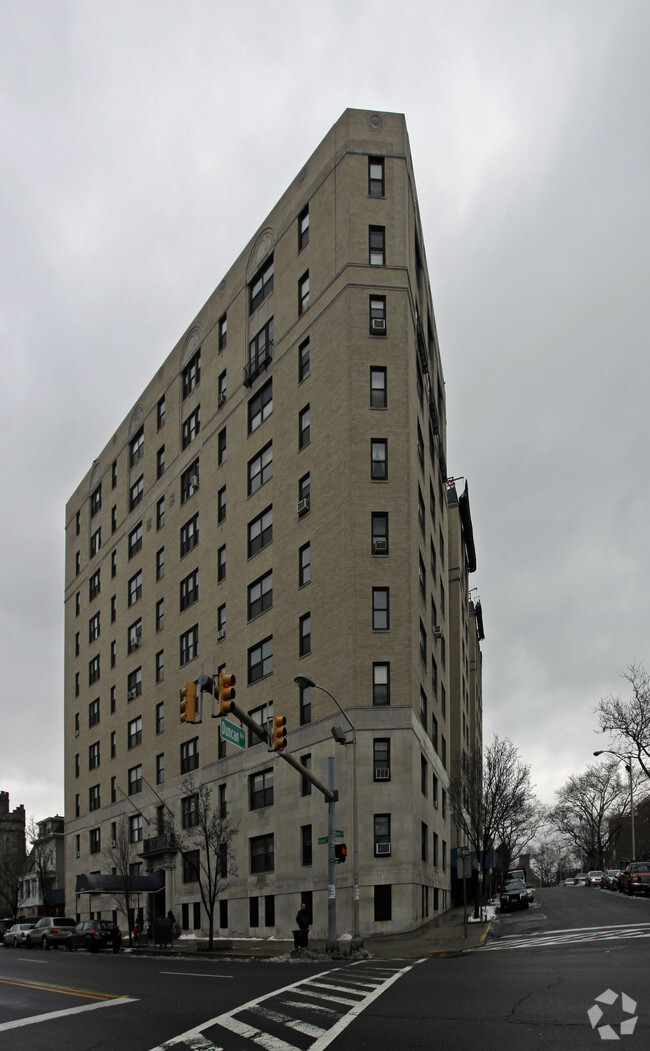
(332, 944)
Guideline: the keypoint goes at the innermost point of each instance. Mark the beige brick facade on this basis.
(344, 564)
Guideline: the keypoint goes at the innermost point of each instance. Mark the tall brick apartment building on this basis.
(275, 505)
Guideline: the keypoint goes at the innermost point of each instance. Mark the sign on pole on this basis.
(232, 733)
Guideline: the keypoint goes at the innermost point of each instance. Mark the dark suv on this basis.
(94, 935)
(50, 932)
(635, 878)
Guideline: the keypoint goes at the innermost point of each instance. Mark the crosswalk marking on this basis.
(570, 937)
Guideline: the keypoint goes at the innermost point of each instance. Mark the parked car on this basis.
(16, 935)
(514, 895)
(594, 877)
(94, 935)
(581, 879)
(50, 932)
(610, 879)
(5, 924)
(635, 878)
(570, 882)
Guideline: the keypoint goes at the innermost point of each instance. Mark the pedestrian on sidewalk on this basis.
(302, 921)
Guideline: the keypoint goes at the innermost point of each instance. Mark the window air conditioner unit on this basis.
(437, 632)
(382, 773)
(379, 545)
(113, 843)
(131, 695)
(382, 848)
(78, 854)
(76, 733)
(303, 506)
(435, 804)
(221, 634)
(378, 324)
(221, 399)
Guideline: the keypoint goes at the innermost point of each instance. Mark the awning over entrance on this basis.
(97, 883)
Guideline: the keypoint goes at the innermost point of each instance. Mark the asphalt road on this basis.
(530, 986)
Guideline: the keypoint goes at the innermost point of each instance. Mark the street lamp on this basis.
(628, 767)
(339, 737)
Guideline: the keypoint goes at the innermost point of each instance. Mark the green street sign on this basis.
(232, 733)
(325, 839)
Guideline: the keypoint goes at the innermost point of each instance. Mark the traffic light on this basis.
(340, 852)
(188, 703)
(279, 733)
(226, 693)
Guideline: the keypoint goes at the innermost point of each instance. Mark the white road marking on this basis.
(18, 1023)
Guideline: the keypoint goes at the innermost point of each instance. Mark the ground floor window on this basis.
(383, 902)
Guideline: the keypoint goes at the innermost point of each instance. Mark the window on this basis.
(303, 293)
(135, 588)
(189, 644)
(260, 468)
(261, 715)
(382, 835)
(190, 811)
(191, 427)
(261, 286)
(304, 430)
(160, 513)
(304, 564)
(160, 666)
(305, 783)
(134, 635)
(305, 705)
(380, 609)
(189, 481)
(377, 245)
(424, 775)
(136, 492)
(303, 228)
(260, 660)
(135, 828)
(189, 589)
(378, 387)
(376, 185)
(260, 531)
(93, 712)
(160, 614)
(260, 595)
(304, 635)
(434, 859)
(379, 459)
(262, 853)
(191, 869)
(134, 732)
(305, 844)
(380, 683)
(423, 644)
(304, 495)
(377, 315)
(221, 621)
(260, 406)
(135, 540)
(189, 755)
(93, 587)
(93, 628)
(223, 331)
(260, 352)
(304, 361)
(221, 563)
(93, 756)
(160, 413)
(221, 388)
(221, 504)
(94, 840)
(95, 504)
(424, 841)
(93, 670)
(160, 462)
(136, 448)
(260, 789)
(113, 518)
(192, 374)
(95, 542)
(160, 563)
(381, 758)
(379, 532)
(135, 779)
(190, 534)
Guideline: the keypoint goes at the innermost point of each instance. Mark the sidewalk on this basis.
(446, 935)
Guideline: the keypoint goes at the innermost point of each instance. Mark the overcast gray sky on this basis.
(143, 142)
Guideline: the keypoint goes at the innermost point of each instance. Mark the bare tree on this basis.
(553, 859)
(43, 864)
(628, 722)
(485, 790)
(590, 811)
(12, 867)
(120, 858)
(207, 846)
